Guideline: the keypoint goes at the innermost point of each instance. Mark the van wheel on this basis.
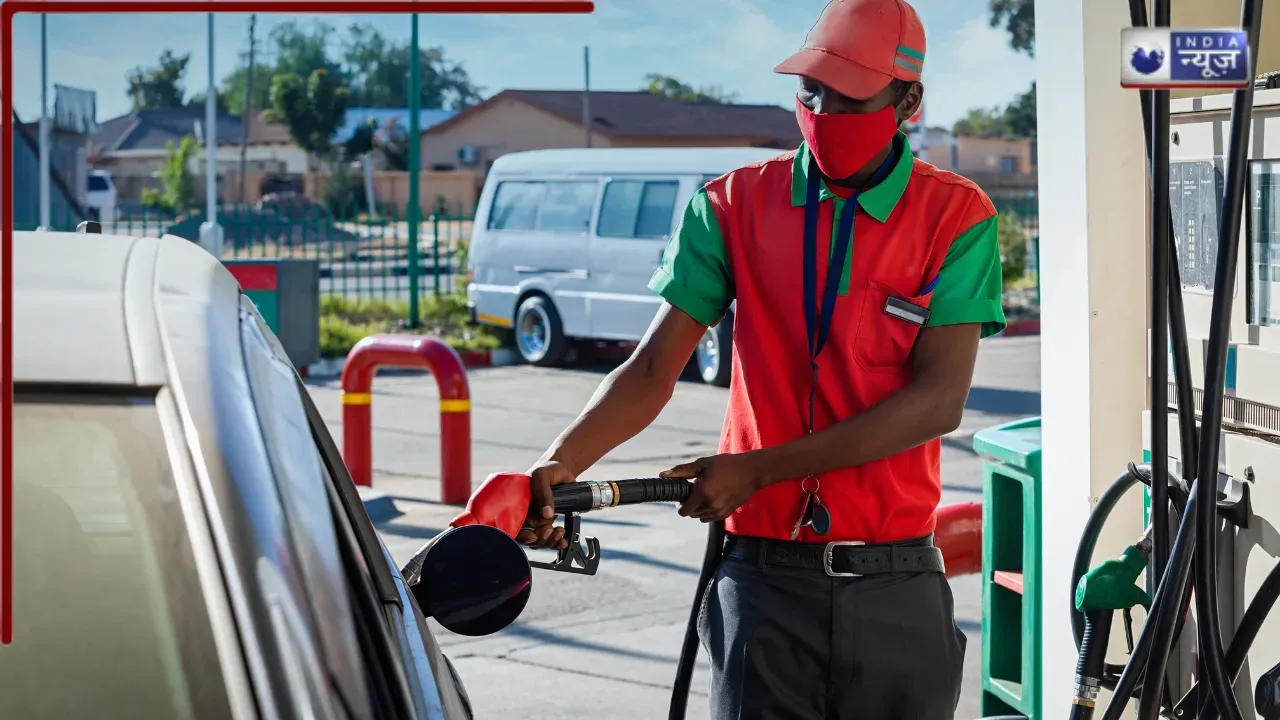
(714, 355)
(539, 334)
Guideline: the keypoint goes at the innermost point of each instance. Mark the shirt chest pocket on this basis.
(889, 324)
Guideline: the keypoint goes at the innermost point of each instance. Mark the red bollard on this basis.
(958, 535)
(408, 351)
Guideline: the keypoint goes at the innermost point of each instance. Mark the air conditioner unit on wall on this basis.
(468, 155)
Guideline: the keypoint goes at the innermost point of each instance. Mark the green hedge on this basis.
(344, 322)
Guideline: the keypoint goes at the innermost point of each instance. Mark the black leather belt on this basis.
(839, 559)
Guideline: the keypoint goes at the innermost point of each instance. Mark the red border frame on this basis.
(9, 8)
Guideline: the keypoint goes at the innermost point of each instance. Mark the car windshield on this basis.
(97, 183)
(109, 619)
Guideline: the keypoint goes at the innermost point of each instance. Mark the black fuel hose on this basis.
(1246, 632)
(689, 648)
(1212, 657)
(587, 495)
(1092, 664)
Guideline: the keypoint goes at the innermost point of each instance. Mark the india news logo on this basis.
(1165, 58)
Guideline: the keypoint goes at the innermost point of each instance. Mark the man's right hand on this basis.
(539, 530)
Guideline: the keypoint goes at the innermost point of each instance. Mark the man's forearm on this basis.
(625, 403)
(915, 415)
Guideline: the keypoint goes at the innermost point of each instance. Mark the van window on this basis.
(563, 206)
(97, 183)
(567, 206)
(637, 208)
(515, 206)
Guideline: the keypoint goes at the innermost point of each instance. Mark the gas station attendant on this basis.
(864, 279)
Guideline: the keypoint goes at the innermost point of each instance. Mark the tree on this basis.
(159, 86)
(313, 109)
(233, 88)
(301, 52)
(676, 90)
(983, 123)
(1020, 116)
(1019, 20)
(177, 191)
(379, 72)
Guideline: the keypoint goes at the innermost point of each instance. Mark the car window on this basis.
(301, 481)
(637, 208)
(110, 619)
(515, 205)
(567, 206)
(97, 183)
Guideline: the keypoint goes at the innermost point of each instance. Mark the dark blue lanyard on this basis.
(818, 323)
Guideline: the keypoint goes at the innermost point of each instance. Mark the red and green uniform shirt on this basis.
(741, 239)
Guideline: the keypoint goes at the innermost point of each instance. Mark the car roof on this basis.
(708, 161)
(88, 308)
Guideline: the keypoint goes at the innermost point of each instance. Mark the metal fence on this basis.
(362, 255)
(367, 256)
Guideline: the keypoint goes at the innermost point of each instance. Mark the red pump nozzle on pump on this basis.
(501, 501)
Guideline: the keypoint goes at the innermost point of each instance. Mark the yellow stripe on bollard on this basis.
(455, 406)
(356, 398)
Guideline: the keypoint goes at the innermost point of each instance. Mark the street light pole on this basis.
(415, 161)
(44, 127)
(210, 231)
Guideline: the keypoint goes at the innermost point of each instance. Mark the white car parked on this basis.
(188, 543)
(100, 194)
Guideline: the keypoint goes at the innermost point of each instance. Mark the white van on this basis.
(565, 242)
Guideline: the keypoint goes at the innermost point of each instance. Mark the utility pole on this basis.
(210, 231)
(415, 160)
(586, 92)
(247, 117)
(44, 127)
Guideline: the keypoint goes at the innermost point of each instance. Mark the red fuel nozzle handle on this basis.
(588, 495)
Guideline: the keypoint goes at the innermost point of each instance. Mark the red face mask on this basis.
(843, 143)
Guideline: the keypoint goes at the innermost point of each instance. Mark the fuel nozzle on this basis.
(1113, 585)
(1266, 696)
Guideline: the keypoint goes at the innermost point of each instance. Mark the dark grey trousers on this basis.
(791, 644)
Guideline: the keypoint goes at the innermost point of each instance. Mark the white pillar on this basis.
(44, 130)
(210, 231)
(1093, 250)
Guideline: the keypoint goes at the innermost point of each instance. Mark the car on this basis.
(188, 542)
(565, 242)
(100, 196)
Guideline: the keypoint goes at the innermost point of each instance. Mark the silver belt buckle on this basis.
(827, 557)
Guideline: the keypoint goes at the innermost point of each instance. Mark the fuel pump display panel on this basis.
(1195, 194)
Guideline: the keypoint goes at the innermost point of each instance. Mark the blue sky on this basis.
(730, 43)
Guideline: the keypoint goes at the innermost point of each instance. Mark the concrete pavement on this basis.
(606, 646)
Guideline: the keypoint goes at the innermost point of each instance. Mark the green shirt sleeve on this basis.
(694, 275)
(969, 285)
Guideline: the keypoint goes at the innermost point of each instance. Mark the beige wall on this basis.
(506, 126)
(458, 190)
(981, 155)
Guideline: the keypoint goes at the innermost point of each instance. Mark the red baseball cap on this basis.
(858, 46)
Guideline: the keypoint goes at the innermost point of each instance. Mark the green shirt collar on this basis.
(878, 201)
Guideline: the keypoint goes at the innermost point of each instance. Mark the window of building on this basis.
(637, 208)
(1009, 164)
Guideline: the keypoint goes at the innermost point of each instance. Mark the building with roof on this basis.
(132, 147)
(514, 120)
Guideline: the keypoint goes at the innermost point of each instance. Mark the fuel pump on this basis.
(1203, 502)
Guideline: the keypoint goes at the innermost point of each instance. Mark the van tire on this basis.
(539, 334)
(713, 357)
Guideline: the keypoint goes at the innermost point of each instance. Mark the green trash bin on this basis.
(286, 292)
(1011, 633)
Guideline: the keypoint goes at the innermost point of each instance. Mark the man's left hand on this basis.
(722, 484)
